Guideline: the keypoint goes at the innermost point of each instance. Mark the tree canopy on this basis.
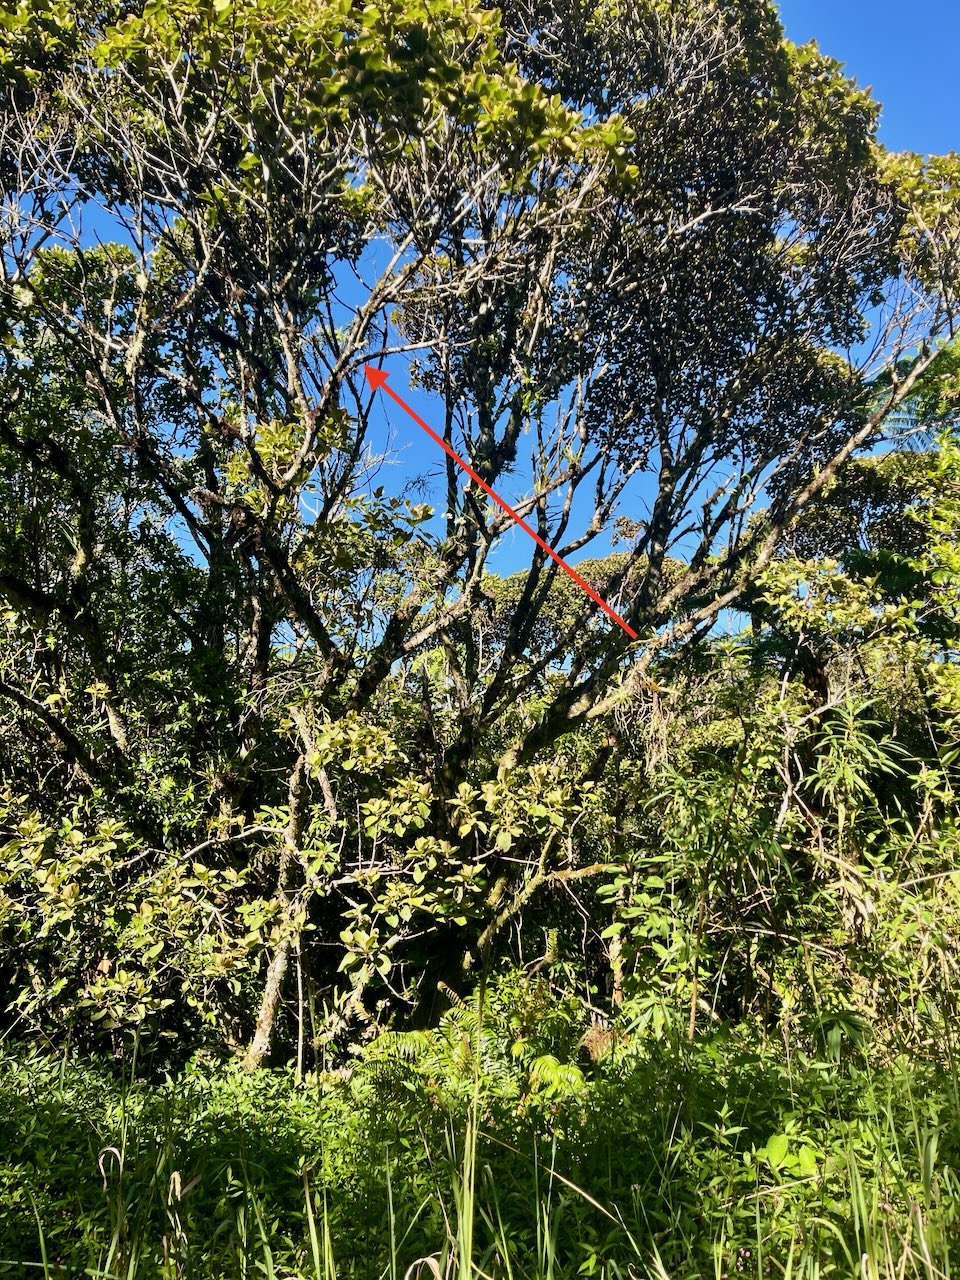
(649, 262)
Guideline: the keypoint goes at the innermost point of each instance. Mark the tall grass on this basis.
(672, 1163)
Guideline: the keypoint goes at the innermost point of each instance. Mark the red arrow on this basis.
(377, 378)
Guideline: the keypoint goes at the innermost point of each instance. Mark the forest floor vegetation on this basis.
(444, 1154)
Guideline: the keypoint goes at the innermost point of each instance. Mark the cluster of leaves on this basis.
(97, 939)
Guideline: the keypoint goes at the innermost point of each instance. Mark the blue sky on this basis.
(907, 53)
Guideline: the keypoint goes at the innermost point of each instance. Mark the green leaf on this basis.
(776, 1150)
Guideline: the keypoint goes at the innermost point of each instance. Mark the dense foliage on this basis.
(722, 1159)
(291, 776)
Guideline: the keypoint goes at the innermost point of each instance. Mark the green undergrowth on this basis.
(479, 1150)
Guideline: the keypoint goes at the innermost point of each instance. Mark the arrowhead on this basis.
(376, 377)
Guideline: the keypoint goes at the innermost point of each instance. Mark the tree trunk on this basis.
(259, 1046)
